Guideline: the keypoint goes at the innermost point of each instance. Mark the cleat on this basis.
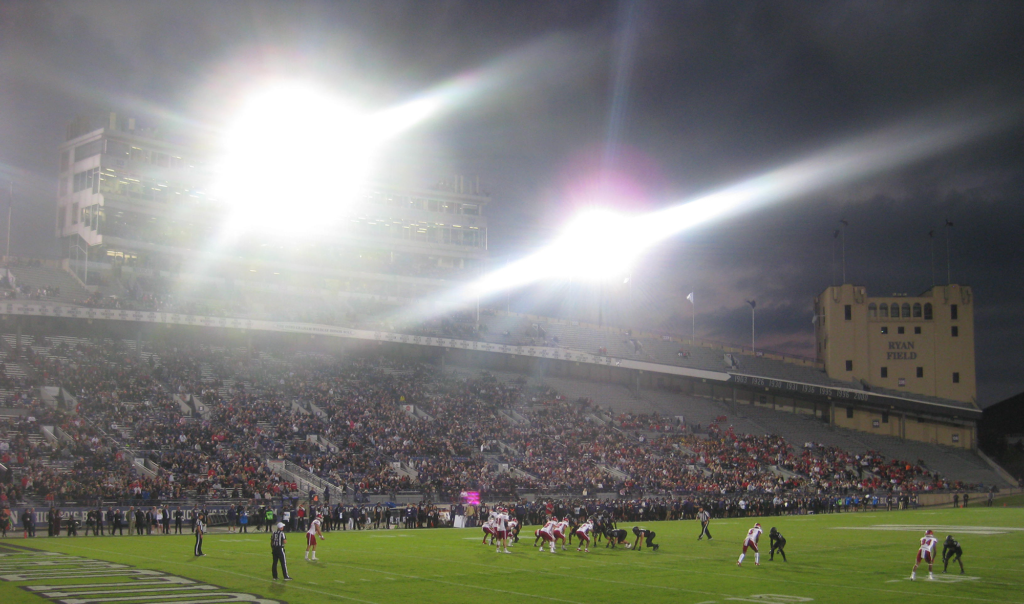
(287, 578)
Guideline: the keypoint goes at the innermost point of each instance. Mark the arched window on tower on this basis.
(872, 310)
(927, 311)
(906, 310)
(894, 310)
(917, 310)
(883, 311)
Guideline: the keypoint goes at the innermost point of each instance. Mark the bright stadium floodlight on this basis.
(598, 245)
(293, 158)
(601, 244)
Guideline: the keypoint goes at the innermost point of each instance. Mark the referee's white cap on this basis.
(280, 525)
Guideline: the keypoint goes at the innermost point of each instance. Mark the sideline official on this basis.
(705, 519)
(277, 541)
(200, 530)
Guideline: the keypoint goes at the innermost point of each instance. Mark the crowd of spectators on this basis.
(206, 421)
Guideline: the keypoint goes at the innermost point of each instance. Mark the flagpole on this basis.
(949, 270)
(845, 224)
(931, 239)
(753, 331)
(693, 315)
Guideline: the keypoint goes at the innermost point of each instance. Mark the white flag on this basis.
(690, 297)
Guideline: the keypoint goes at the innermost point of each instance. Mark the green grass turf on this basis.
(1011, 501)
(827, 563)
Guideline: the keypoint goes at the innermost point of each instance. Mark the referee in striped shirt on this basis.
(705, 520)
(200, 530)
(277, 541)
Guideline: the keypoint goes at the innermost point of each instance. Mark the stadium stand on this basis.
(379, 427)
(47, 283)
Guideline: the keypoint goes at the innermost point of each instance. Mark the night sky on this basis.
(633, 105)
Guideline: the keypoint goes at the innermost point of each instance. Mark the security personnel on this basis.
(178, 517)
(277, 541)
(705, 519)
(778, 544)
(200, 530)
(951, 550)
(28, 523)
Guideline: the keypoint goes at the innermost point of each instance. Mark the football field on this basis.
(853, 557)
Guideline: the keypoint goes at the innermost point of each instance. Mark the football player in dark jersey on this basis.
(647, 535)
(778, 544)
(951, 550)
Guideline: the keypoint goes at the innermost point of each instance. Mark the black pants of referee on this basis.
(704, 531)
(199, 543)
(279, 557)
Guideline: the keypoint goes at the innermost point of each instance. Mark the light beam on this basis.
(605, 245)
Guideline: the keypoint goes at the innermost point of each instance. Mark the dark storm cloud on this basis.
(716, 92)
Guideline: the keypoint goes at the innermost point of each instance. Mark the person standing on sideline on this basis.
(178, 517)
(705, 519)
(200, 530)
(28, 522)
(277, 541)
(131, 520)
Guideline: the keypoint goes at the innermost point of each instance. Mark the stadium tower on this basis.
(136, 205)
(908, 346)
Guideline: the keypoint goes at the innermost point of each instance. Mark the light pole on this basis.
(10, 207)
(753, 305)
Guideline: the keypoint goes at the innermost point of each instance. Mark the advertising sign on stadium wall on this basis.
(543, 352)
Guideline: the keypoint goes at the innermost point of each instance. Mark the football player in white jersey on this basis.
(751, 541)
(583, 533)
(513, 531)
(488, 528)
(547, 533)
(312, 534)
(926, 552)
(501, 530)
(561, 527)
